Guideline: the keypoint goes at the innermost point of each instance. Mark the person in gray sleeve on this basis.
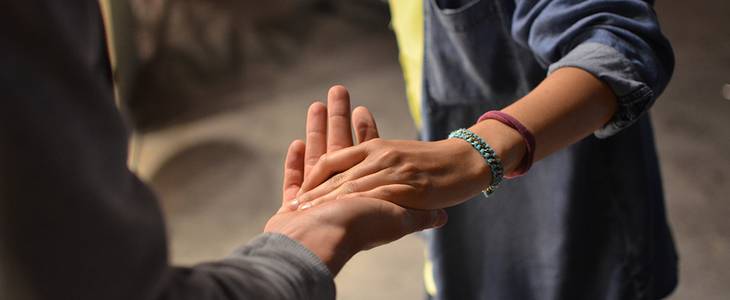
(75, 223)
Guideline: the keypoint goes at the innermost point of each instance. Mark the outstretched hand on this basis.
(414, 174)
(337, 230)
(423, 175)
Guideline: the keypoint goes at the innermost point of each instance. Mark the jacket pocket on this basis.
(461, 15)
(470, 56)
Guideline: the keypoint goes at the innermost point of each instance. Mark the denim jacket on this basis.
(587, 222)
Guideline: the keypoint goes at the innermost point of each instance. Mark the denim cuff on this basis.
(609, 65)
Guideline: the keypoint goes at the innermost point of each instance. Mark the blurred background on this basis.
(216, 90)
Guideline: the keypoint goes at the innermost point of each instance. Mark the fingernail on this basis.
(305, 206)
(294, 203)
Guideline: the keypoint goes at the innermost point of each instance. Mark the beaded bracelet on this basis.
(486, 151)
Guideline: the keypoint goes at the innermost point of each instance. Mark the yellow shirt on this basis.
(407, 22)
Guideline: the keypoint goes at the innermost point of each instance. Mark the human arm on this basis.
(444, 173)
(75, 223)
(604, 46)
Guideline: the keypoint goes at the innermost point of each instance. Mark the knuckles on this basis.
(411, 174)
(374, 145)
(376, 142)
(389, 156)
(408, 170)
(422, 183)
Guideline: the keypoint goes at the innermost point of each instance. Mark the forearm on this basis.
(608, 63)
(566, 107)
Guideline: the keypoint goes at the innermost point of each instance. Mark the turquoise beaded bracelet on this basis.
(490, 157)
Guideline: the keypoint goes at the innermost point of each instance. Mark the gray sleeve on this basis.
(271, 266)
(75, 223)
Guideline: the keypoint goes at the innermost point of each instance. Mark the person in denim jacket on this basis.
(587, 221)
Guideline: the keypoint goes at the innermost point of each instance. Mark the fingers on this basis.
(316, 134)
(331, 164)
(328, 130)
(341, 185)
(293, 171)
(339, 134)
(364, 124)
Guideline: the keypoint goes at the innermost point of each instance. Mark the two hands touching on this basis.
(340, 199)
(413, 174)
(336, 230)
(432, 175)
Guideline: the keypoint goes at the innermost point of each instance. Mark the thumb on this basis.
(417, 220)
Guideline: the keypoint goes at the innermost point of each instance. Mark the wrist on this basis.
(471, 165)
(326, 242)
(506, 142)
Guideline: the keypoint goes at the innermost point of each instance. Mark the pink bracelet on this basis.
(527, 136)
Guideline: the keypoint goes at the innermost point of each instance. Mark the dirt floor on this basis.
(218, 174)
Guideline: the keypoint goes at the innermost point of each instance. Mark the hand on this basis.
(337, 230)
(425, 175)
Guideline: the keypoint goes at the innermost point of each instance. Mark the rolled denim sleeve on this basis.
(617, 41)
